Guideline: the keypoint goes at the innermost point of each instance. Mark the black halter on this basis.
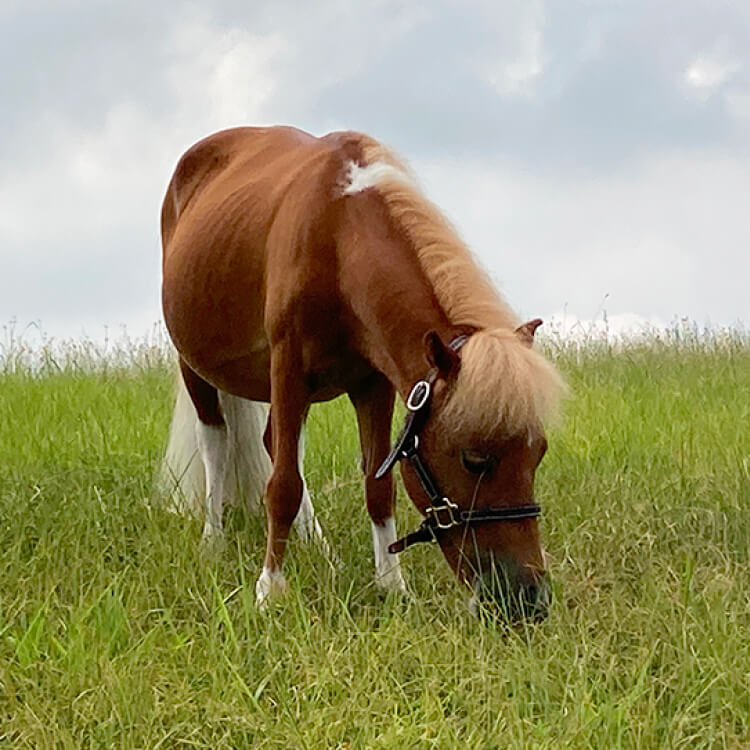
(442, 513)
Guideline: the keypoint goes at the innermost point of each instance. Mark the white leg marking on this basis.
(270, 583)
(212, 443)
(306, 522)
(387, 567)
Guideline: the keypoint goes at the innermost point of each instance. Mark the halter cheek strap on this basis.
(416, 415)
(442, 513)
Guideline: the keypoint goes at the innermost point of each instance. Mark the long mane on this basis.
(502, 383)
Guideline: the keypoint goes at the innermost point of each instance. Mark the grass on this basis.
(115, 633)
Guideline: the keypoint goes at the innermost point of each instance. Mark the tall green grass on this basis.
(114, 632)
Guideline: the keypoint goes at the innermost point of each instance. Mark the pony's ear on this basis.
(527, 330)
(440, 356)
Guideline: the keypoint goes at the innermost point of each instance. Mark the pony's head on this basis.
(479, 443)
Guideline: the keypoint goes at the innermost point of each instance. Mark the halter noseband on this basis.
(442, 513)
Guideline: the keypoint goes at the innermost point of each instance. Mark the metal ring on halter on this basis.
(418, 396)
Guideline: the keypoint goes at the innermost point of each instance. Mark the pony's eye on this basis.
(476, 463)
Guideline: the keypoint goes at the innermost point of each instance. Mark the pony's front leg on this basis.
(374, 406)
(306, 521)
(289, 403)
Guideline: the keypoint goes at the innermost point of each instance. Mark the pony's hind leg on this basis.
(306, 522)
(374, 406)
(211, 435)
(212, 442)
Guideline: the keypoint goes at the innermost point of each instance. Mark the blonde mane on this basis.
(502, 383)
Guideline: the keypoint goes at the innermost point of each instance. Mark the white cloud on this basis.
(83, 208)
(516, 76)
(667, 238)
(90, 184)
(222, 76)
(711, 70)
(707, 73)
(611, 181)
(517, 57)
(90, 180)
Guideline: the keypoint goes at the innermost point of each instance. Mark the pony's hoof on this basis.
(392, 581)
(270, 585)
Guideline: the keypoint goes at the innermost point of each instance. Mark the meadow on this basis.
(116, 633)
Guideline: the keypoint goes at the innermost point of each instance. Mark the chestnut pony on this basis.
(297, 269)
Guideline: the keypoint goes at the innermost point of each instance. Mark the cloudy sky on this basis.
(594, 153)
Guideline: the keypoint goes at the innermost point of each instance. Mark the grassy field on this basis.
(114, 633)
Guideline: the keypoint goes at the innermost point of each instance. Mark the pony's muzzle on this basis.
(512, 594)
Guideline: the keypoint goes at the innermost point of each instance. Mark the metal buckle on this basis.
(448, 509)
(418, 395)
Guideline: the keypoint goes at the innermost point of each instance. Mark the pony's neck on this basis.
(392, 299)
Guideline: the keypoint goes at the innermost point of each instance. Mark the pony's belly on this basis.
(214, 320)
(246, 377)
(337, 375)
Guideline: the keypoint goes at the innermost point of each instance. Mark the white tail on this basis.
(247, 467)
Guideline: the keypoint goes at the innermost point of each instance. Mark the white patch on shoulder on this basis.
(359, 178)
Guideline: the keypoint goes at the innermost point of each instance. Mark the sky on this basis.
(595, 154)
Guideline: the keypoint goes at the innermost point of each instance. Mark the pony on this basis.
(299, 268)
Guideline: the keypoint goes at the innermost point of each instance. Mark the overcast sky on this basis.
(594, 154)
